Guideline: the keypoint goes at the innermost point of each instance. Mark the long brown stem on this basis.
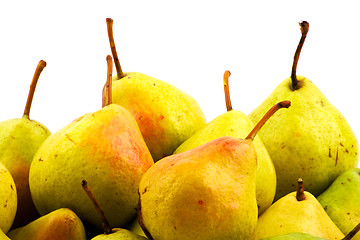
(304, 27)
(107, 90)
(109, 23)
(352, 233)
(41, 65)
(272, 111)
(300, 195)
(99, 209)
(227, 90)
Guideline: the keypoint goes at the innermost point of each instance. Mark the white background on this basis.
(188, 44)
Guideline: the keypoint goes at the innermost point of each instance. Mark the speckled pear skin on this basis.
(341, 201)
(61, 224)
(205, 193)
(235, 123)
(288, 215)
(165, 115)
(119, 234)
(19, 140)
(294, 236)
(8, 199)
(311, 140)
(106, 149)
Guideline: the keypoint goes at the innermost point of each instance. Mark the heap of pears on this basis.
(147, 165)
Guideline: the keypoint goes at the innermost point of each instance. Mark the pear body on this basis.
(311, 140)
(236, 124)
(19, 140)
(205, 193)
(294, 236)
(106, 149)
(61, 224)
(119, 234)
(288, 215)
(8, 199)
(341, 201)
(166, 115)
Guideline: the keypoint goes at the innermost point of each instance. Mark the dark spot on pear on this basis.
(40, 160)
(200, 202)
(55, 156)
(145, 190)
(5, 205)
(175, 227)
(325, 208)
(11, 186)
(348, 179)
(161, 117)
(154, 84)
(341, 144)
(329, 152)
(172, 164)
(13, 137)
(346, 150)
(348, 213)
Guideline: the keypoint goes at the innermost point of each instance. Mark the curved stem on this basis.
(352, 233)
(107, 89)
(300, 195)
(272, 111)
(304, 27)
(99, 209)
(109, 23)
(227, 90)
(41, 65)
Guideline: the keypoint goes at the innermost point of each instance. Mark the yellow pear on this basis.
(298, 211)
(166, 115)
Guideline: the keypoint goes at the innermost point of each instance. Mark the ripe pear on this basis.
(61, 224)
(8, 199)
(104, 147)
(19, 140)
(235, 123)
(314, 141)
(207, 192)
(341, 201)
(166, 115)
(298, 211)
(294, 236)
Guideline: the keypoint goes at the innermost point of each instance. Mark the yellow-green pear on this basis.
(19, 140)
(207, 192)
(341, 201)
(298, 211)
(8, 199)
(312, 140)
(166, 115)
(235, 123)
(106, 148)
(61, 224)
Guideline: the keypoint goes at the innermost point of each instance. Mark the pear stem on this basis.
(109, 23)
(107, 89)
(272, 111)
(352, 233)
(300, 195)
(304, 27)
(41, 65)
(99, 209)
(227, 90)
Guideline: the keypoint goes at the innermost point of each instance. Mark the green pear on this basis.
(8, 199)
(298, 211)
(207, 192)
(166, 115)
(341, 201)
(314, 142)
(104, 147)
(119, 234)
(3, 236)
(19, 140)
(61, 224)
(294, 236)
(235, 123)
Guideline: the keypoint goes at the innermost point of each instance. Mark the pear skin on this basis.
(8, 199)
(119, 234)
(165, 115)
(341, 201)
(105, 148)
(61, 224)
(289, 215)
(205, 193)
(234, 123)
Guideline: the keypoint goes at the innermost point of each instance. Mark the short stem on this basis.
(352, 233)
(41, 65)
(107, 90)
(272, 111)
(109, 23)
(227, 90)
(300, 195)
(105, 223)
(304, 27)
